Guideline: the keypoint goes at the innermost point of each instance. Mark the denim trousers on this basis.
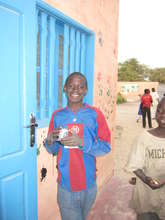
(75, 205)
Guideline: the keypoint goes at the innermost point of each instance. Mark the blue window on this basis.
(63, 46)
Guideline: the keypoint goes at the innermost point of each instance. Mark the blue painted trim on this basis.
(82, 59)
(87, 39)
(90, 67)
(72, 50)
(38, 69)
(77, 57)
(43, 122)
(43, 35)
(65, 61)
(51, 67)
(56, 67)
(63, 18)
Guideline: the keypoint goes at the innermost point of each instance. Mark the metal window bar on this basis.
(60, 71)
(51, 65)
(66, 59)
(58, 55)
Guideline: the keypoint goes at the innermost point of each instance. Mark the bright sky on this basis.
(142, 31)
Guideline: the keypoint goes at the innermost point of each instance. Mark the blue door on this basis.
(18, 178)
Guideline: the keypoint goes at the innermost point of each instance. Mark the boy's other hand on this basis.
(72, 140)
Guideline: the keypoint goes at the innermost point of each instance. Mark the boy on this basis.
(146, 161)
(86, 136)
(146, 101)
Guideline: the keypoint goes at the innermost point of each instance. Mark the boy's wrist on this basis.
(81, 143)
(50, 139)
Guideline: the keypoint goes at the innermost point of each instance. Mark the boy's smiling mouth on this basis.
(75, 95)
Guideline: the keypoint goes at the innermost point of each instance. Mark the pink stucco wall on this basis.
(100, 16)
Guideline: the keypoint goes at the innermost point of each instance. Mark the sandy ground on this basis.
(126, 130)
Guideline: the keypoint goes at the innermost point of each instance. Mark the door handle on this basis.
(32, 127)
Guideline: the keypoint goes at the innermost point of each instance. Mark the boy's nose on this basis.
(75, 88)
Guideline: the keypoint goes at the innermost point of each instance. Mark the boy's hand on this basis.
(73, 140)
(153, 183)
(52, 137)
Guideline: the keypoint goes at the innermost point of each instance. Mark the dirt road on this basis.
(126, 130)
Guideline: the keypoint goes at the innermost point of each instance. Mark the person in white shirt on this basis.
(147, 162)
(155, 101)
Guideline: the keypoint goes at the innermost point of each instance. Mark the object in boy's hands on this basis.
(63, 133)
(156, 182)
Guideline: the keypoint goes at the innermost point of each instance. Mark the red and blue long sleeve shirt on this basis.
(77, 166)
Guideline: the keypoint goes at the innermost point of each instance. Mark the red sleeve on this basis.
(51, 124)
(103, 129)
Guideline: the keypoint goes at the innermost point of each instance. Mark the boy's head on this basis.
(160, 113)
(75, 88)
(146, 91)
(76, 74)
(153, 89)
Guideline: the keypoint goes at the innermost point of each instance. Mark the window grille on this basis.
(63, 46)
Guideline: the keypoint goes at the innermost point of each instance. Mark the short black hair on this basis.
(76, 74)
(146, 91)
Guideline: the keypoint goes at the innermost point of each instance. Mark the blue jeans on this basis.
(75, 205)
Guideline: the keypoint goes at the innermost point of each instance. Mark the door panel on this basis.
(10, 79)
(18, 194)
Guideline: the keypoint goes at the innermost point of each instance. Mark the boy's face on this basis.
(160, 114)
(75, 89)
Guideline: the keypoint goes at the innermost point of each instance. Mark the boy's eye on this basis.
(78, 87)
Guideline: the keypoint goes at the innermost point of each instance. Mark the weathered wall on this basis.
(132, 90)
(100, 16)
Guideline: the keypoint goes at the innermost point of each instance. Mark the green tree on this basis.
(132, 70)
(158, 75)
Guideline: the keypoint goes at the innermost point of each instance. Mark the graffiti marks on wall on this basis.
(105, 97)
(45, 162)
(127, 88)
(100, 38)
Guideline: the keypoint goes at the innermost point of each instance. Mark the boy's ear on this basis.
(86, 92)
(64, 88)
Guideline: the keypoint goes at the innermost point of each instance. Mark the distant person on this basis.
(155, 101)
(147, 162)
(139, 116)
(146, 101)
